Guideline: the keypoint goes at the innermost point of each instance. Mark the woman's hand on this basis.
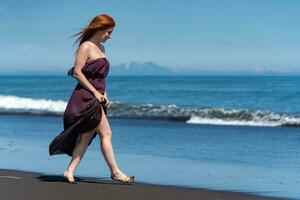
(101, 98)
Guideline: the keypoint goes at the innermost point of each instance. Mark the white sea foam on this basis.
(22, 104)
(258, 119)
(199, 120)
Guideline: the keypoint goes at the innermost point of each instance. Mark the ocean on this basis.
(236, 133)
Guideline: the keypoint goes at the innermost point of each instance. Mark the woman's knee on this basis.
(105, 134)
(103, 129)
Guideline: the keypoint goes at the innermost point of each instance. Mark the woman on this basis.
(85, 114)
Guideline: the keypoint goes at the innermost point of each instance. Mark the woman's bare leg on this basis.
(105, 134)
(78, 153)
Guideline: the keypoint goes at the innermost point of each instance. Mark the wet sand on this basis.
(35, 186)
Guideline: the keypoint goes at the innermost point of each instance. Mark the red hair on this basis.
(100, 22)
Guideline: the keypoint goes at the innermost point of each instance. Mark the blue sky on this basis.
(212, 35)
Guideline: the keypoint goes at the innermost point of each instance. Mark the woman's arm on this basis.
(80, 61)
(81, 57)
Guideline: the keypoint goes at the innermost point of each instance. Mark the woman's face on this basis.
(106, 34)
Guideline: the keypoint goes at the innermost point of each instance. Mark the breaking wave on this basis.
(214, 116)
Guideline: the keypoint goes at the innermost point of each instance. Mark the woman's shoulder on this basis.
(86, 45)
(91, 45)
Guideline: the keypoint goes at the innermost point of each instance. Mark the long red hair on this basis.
(100, 22)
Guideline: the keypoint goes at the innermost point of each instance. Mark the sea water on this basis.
(234, 133)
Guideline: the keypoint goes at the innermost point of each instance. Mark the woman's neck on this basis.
(95, 39)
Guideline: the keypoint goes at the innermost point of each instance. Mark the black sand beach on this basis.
(35, 186)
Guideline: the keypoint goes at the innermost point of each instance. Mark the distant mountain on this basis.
(140, 69)
(152, 69)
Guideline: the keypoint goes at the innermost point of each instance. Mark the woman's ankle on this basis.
(69, 171)
(116, 172)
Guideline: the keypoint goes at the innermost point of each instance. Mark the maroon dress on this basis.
(83, 112)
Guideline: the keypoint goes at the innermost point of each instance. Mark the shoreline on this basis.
(16, 184)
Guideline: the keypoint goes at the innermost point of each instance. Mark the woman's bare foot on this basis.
(69, 177)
